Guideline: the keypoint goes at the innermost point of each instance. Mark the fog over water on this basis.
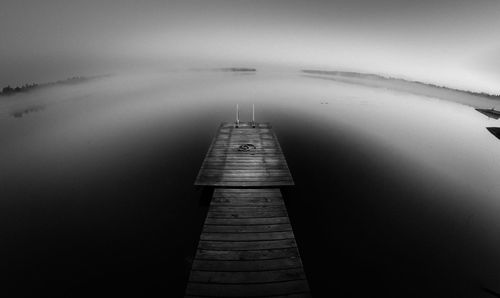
(395, 192)
(445, 42)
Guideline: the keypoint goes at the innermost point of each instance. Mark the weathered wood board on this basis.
(227, 165)
(247, 248)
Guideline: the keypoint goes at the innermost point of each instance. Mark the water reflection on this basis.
(395, 192)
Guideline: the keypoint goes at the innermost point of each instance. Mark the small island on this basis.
(238, 69)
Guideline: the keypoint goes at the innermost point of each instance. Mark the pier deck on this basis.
(247, 247)
(261, 166)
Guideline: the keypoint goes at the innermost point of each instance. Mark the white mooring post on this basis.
(237, 116)
(253, 115)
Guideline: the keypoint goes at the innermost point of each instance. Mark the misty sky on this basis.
(447, 42)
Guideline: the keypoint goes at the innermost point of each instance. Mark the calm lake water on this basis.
(396, 194)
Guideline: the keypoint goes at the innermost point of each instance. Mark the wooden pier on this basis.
(247, 247)
(227, 165)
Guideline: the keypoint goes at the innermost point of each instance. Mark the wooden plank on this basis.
(246, 228)
(248, 208)
(259, 236)
(251, 184)
(247, 177)
(300, 295)
(247, 221)
(252, 265)
(238, 197)
(276, 210)
(248, 174)
(226, 166)
(247, 277)
(247, 248)
(246, 255)
(259, 202)
(243, 171)
(243, 214)
(245, 197)
(248, 190)
(247, 290)
(244, 162)
(249, 167)
(248, 180)
(243, 166)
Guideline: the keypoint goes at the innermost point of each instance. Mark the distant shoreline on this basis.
(237, 69)
(8, 90)
(369, 76)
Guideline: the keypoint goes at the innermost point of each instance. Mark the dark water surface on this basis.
(396, 195)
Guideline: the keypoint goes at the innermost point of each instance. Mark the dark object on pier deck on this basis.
(491, 113)
(494, 131)
(244, 156)
(247, 248)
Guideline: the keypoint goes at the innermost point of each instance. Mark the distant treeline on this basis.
(8, 90)
(375, 76)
